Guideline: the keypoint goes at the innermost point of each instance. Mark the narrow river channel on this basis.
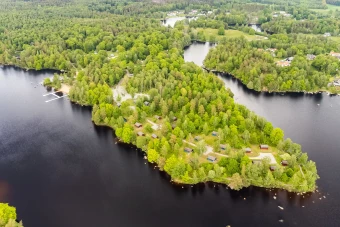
(59, 169)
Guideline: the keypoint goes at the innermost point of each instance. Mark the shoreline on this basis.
(271, 92)
(177, 181)
(182, 184)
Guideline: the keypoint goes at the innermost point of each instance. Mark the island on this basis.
(8, 216)
(120, 60)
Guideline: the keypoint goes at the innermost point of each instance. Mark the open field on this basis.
(329, 7)
(229, 33)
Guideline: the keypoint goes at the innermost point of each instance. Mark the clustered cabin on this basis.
(284, 163)
(214, 133)
(158, 117)
(264, 146)
(248, 150)
(140, 134)
(146, 103)
(223, 147)
(211, 158)
(154, 136)
(174, 118)
(197, 138)
(138, 125)
(188, 150)
(256, 162)
(272, 168)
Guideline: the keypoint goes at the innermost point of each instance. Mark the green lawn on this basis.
(335, 39)
(229, 33)
(329, 7)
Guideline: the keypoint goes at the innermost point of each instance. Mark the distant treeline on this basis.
(333, 2)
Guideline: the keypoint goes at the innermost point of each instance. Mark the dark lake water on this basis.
(59, 169)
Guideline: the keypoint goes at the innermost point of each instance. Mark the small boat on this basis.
(280, 207)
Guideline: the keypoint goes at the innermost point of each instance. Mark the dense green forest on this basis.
(255, 65)
(117, 57)
(8, 216)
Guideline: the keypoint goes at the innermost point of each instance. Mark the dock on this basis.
(55, 95)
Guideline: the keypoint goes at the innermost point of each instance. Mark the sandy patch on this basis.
(265, 155)
(65, 88)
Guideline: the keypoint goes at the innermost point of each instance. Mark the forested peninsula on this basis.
(118, 58)
(256, 63)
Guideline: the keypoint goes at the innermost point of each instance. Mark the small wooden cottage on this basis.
(154, 136)
(146, 103)
(197, 138)
(140, 134)
(188, 150)
(138, 125)
(214, 133)
(174, 118)
(248, 150)
(272, 168)
(158, 117)
(223, 147)
(211, 158)
(284, 163)
(264, 146)
(256, 162)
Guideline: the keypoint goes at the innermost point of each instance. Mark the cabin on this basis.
(311, 57)
(256, 162)
(158, 117)
(327, 34)
(223, 147)
(138, 125)
(146, 103)
(283, 63)
(290, 59)
(284, 163)
(272, 168)
(336, 82)
(154, 136)
(174, 118)
(173, 126)
(248, 150)
(214, 133)
(271, 50)
(211, 158)
(197, 138)
(334, 54)
(187, 150)
(140, 134)
(264, 147)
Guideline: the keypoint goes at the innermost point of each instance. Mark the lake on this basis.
(59, 169)
(172, 20)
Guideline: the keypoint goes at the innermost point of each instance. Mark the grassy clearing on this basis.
(229, 33)
(329, 8)
(335, 39)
